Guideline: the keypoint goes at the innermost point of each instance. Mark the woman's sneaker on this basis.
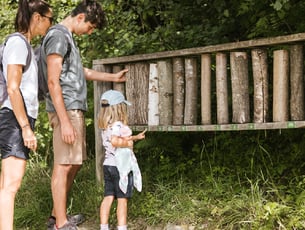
(76, 219)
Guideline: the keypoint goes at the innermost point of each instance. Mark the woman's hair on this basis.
(111, 113)
(93, 11)
(26, 8)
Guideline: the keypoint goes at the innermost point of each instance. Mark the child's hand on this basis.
(141, 135)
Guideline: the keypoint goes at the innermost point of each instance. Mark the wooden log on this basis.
(280, 85)
(153, 95)
(260, 81)
(99, 88)
(222, 89)
(191, 91)
(297, 83)
(165, 73)
(137, 93)
(178, 91)
(206, 114)
(119, 86)
(240, 87)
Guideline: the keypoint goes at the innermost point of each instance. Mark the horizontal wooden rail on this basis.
(225, 127)
(206, 49)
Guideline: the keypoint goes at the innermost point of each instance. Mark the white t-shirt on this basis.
(15, 52)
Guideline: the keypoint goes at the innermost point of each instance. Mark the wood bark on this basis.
(280, 85)
(222, 89)
(165, 73)
(260, 81)
(240, 87)
(153, 95)
(191, 91)
(178, 91)
(119, 86)
(297, 83)
(137, 93)
(206, 113)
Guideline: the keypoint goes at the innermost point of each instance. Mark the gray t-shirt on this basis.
(72, 79)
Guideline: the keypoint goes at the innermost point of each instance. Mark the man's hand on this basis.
(120, 76)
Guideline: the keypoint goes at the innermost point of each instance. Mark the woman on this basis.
(20, 109)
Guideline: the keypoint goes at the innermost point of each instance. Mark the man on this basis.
(67, 100)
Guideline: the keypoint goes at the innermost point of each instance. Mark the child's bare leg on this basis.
(122, 211)
(105, 209)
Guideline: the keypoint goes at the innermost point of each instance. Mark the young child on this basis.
(121, 171)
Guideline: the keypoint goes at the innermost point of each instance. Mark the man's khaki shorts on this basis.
(65, 153)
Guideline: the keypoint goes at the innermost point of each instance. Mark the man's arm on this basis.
(93, 75)
(54, 64)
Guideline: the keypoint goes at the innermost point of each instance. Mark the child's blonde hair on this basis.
(109, 114)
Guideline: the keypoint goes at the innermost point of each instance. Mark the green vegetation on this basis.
(221, 180)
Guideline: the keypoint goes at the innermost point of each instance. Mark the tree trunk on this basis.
(222, 89)
(153, 95)
(260, 81)
(297, 83)
(179, 91)
(165, 73)
(206, 116)
(280, 85)
(240, 87)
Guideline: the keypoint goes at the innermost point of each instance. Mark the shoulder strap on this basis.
(29, 57)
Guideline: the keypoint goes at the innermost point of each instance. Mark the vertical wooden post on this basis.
(179, 91)
(153, 95)
(296, 83)
(99, 88)
(206, 116)
(165, 73)
(137, 93)
(260, 81)
(119, 86)
(240, 87)
(222, 89)
(280, 85)
(191, 91)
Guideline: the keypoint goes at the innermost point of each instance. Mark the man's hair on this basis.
(93, 11)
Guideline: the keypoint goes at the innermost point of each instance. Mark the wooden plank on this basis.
(178, 91)
(165, 75)
(119, 86)
(240, 87)
(206, 111)
(280, 85)
(297, 83)
(222, 89)
(153, 95)
(260, 85)
(224, 127)
(191, 91)
(137, 93)
(206, 49)
(99, 88)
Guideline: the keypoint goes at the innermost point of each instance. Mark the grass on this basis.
(205, 187)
